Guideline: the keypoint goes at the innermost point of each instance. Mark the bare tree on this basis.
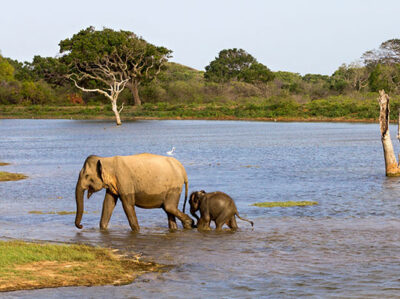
(391, 164)
(111, 80)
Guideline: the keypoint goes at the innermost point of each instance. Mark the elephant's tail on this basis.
(186, 194)
(244, 219)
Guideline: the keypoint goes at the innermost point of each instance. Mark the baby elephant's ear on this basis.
(191, 197)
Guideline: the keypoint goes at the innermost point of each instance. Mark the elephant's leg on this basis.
(221, 220)
(204, 223)
(218, 225)
(232, 223)
(172, 221)
(171, 207)
(128, 203)
(110, 200)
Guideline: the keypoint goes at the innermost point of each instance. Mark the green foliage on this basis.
(6, 70)
(349, 77)
(315, 78)
(49, 69)
(10, 92)
(37, 93)
(22, 71)
(106, 61)
(237, 64)
(341, 106)
(289, 81)
(257, 72)
(385, 77)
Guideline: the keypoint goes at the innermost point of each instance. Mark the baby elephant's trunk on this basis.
(244, 219)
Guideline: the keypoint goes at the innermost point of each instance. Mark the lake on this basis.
(346, 246)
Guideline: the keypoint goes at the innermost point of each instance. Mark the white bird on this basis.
(171, 152)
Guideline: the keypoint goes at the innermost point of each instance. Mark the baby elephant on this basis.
(217, 206)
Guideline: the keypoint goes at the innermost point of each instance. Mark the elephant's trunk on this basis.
(79, 192)
(194, 214)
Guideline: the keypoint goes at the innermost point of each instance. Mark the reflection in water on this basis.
(345, 246)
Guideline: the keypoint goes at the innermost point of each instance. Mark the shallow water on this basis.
(346, 246)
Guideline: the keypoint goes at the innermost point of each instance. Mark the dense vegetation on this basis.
(234, 84)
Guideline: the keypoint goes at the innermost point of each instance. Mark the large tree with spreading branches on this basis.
(107, 61)
(237, 64)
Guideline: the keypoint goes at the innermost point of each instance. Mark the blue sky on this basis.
(307, 36)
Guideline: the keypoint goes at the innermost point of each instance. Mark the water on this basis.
(346, 246)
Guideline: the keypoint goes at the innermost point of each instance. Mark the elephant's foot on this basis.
(188, 224)
(172, 226)
(203, 228)
(103, 226)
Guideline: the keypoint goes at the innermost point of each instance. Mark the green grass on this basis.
(30, 265)
(284, 204)
(17, 253)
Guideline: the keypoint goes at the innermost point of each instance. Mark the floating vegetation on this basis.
(284, 204)
(8, 176)
(56, 213)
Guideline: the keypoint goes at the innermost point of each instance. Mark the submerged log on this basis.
(392, 167)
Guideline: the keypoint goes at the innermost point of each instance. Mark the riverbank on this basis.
(26, 266)
(315, 111)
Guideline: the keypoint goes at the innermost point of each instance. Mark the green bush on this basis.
(37, 93)
(10, 92)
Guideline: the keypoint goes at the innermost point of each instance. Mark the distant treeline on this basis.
(233, 78)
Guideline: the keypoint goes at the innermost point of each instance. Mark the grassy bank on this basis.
(338, 108)
(31, 266)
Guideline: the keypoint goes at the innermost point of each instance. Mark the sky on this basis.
(303, 36)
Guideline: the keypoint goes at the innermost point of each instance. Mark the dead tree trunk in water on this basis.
(392, 167)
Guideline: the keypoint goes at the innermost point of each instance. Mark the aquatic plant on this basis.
(8, 176)
(284, 204)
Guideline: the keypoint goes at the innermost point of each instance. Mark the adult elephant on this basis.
(144, 180)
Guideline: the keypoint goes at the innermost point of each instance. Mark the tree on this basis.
(49, 69)
(384, 66)
(22, 72)
(237, 64)
(384, 76)
(391, 165)
(144, 62)
(6, 70)
(95, 63)
(387, 53)
(352, 76)
(106, 61)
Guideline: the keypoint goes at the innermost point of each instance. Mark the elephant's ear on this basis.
(192, 197)
(107, 178)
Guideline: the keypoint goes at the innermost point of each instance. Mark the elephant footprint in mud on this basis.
(144, 180)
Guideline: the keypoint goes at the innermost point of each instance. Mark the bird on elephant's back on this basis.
(144, 180)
